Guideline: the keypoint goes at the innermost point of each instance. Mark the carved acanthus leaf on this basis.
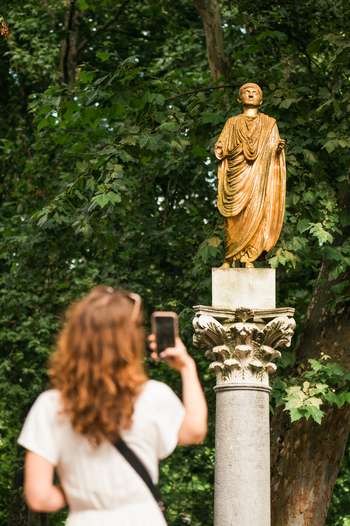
(217, 367)
(208, 332)
(244, 333)
(278, 333)
(244, 314)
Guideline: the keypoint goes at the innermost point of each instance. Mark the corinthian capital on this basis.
(244, 343)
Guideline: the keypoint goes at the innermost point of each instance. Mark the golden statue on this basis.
(251, 180)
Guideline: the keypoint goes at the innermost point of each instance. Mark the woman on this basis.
(101, 392)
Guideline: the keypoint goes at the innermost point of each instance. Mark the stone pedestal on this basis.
(242, 342)
(241, 287)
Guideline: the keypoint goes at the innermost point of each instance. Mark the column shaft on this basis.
(242, 463)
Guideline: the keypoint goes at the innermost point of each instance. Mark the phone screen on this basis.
(164, 331)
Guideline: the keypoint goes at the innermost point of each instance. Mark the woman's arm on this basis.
(194, 426)
(40, 493)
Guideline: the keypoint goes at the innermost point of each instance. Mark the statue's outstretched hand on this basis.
(281, 145)
(219, 151)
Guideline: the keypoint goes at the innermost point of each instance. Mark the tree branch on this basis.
(105, 26)
(197, 90)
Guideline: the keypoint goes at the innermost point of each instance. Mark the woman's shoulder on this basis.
(154, 387)
(157, 394)
(49, 397)
(48, 403)
(41, 432)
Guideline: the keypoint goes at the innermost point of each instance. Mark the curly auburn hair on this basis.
(98, 363)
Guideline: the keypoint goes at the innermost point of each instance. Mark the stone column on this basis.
(242, 343)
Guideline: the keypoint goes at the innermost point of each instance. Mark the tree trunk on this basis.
(69, 49)
(324, 332)
(209, 12)
(306, 459)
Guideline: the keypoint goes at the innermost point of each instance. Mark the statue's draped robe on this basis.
(251, 186)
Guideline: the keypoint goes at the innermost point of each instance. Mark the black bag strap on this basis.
(140, 469)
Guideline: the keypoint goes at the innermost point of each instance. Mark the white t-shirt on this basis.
(100, 486)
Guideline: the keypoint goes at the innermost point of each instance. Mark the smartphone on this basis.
(165, 327)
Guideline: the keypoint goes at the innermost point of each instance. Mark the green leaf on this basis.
(295, 414)
(86, 77)
(212, 118)
(313, 401)
(330, 146)
(317, 230)
(103, 200)
(315, 413)
(103, 55)
(287, 103)
(83, 5)
(310, 156)
(168, 126)
(130, 139)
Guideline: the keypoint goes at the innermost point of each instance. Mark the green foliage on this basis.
(321, 383)
(305, 402)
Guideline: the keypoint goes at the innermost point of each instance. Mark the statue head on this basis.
(250, 94)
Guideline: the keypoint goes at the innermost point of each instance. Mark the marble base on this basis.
(253, 288)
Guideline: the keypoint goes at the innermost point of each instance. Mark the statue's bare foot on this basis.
(233, 264)
(249, 265)
(225, 264)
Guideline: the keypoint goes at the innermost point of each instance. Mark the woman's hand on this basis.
(194, 425)
(177, 357)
